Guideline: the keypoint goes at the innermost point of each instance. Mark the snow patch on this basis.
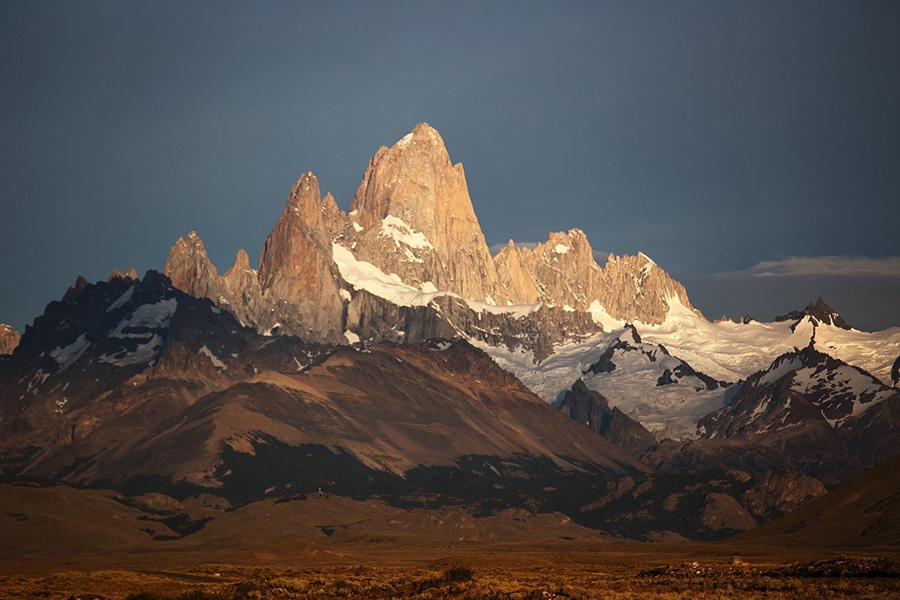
(67, 356)
(561, 249)
(397, 229)
(351, 337)
(148, 316)
(404, 141)
(143, 353)
(216, 361)
(121, 300)
(600, 316)
(780, 369)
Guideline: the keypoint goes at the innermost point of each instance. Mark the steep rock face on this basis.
(591, 408)
(9, 339)
(636, 288)
(241, 286)
(777, 493)
(374, 319)
(517, 281)
(415, 219)
(805, 386)
(295, 266)
(562, 271)
(191, 271)
(819, 312)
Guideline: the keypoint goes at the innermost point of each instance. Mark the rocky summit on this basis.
(9, 339)
(409, 262)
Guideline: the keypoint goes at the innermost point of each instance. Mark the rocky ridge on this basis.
(9, 339)
(413, 228)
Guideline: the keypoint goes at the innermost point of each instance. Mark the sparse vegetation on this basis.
(843, 577)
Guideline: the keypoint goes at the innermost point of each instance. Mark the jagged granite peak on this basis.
(562, 271)
(634, 288)
(413, 221)
(73, 290)
(514, 276)
(241, 287)
(9, 339)
(415, 218)
(296, 266)
(819, 311)
(800, 387)
(190, 270)
(131, 273)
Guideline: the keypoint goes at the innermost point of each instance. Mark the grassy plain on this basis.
(518, 571)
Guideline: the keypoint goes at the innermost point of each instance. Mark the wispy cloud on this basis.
(840, 266)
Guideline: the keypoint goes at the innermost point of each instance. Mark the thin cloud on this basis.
(832, 266)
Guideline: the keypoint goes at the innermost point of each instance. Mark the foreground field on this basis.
(508, 575)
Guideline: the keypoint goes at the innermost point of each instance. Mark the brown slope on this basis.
(862, 513)
(392, 408)
(40, 519)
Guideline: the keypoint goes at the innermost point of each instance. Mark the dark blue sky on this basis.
(712, 136)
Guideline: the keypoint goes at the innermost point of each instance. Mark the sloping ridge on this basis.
(862, 513)
(390, 409)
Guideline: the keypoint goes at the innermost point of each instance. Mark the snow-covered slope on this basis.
(798, 388)
(662, 392)
(733, 351)
(643, 380)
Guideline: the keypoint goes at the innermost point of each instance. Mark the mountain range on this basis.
(385, 353)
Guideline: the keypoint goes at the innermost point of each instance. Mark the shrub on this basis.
(458, 574)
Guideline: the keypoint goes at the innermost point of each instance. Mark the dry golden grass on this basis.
(471, 577)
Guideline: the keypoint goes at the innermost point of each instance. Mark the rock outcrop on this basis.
(9, 339)
(191, 271)
(819, 312)
(416, 219)
(296, 268)
(592, 408)
(634, 288)
(412, 225)
(562, 272)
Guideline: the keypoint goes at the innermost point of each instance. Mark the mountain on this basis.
(415, 219)
(137, 385)
(798, 387)
(661, 391)
(409, 262)
(113, 358)
(9, 339)
(808, 412)
(384, 352)
(732, 351)
(562, 272)
(862, 513)
(818, 312)
(592, 408)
